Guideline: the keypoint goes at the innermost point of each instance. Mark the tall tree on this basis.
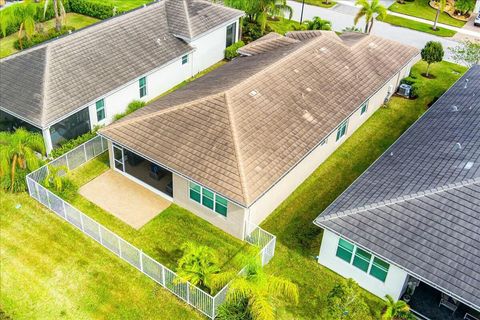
(468, 52)
(19, 150)
(441, 6)
(256, 289)
(345, 301)
(431, 53)
(369, 10)
(59, 11)
(25, 14)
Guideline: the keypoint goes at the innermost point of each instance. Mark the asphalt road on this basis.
(341, 17)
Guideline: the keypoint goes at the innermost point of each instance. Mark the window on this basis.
(362, 259)
(100, 106)
(185, 59)
(345, 250)
(342, 130)
(71, 127)
(379, 269)
(364, 108)
(142, 84)
(208, 198)
(231, 34)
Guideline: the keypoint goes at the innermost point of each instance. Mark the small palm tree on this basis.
(318, 23)
(25, 14)
(59, 11)
(369, 10)
(197, 265)
(259, 288)
(395, 309)
(55, 177)
(441, 7)
(19, 150)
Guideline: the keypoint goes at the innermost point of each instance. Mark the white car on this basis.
(477, 21)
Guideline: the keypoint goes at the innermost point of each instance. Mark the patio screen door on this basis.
(118, 158)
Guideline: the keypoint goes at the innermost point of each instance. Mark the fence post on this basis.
(64, 210)
(81, 221)
(163, 276)
(188, 292)
(141, 260)
(213, 307)
(100, 233)
(119, 247)
(85, 151)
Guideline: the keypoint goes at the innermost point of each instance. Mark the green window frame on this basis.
(100, 108)
(364, 108)
(221, 205)
(185, 59)
(142, 85)
(362, 259)
(345, 250)
(342, 130)
(195, 192)
(379, 269)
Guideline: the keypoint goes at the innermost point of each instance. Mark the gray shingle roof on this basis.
(68, 73)
(277, 107)
(418, 205)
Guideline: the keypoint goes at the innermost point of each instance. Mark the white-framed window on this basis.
(342, 130)
(208, 199)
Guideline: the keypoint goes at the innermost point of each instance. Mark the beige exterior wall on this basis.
(262, 208)
(233, 223)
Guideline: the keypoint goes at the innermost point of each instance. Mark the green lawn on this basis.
(298, 239)
(419, 26)
(319, 3)
(162, 237)
(75, 20)
(125, 5)
(50, 270)
(282, 25)
(421, 9)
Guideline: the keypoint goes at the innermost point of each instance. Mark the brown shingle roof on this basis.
(239, 129)
(266, 43)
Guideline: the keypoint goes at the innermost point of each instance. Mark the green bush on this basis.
(93, 8)
(20, 183)
(231, 51)
(41, 37)
(73, 143)
(251, 31)
(69, 189)
(132, 106)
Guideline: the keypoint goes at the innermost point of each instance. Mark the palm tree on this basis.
(19, 150)
(396, 310)
(59, 11)
(197, 265)
(368, 10)
(258, 289)
(441, 7)
(318, 23)
(25, 14)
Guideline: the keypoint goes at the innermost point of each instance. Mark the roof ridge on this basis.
(187, 17)
(400, 199)
(158, 112)
(241, 170)
(46, 77)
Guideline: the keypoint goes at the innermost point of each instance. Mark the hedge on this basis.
(73, 143)
(231, 51)
(41, 37)
(94, 8)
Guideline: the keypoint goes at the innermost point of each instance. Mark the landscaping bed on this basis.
(418, 26)
(422, 9)
(298, 239)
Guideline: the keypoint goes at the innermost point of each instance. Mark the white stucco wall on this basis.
(284, 187)
(477, 6)
(393, 284)
(233, 223)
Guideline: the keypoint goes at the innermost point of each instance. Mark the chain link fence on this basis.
(194, 296)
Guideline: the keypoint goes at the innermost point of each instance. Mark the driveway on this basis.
(343, 19)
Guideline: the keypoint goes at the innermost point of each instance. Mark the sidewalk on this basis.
(441, 25)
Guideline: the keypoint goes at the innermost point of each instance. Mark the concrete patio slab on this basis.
(124, 198)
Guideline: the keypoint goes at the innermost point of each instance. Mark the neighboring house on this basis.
(232, 145)
(65, 87)
(410, 225)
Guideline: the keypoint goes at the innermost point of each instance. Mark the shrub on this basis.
(94, 8)
(251, 31)
(20, 183)
(41, 37)
(69, 189)
(132, 106)
(73, 143)
(231, 51)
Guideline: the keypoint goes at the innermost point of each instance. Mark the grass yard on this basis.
(319, 3)
(50, 270)
(283, 25)
(126, 5)
(162, 237)
(75, 20)
(419, 26)
(421, 9)
(298, 239)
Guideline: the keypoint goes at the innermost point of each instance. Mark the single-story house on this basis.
(410, 225)
(233, 144)
(65, 87)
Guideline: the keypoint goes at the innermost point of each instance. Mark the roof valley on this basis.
(46, 81)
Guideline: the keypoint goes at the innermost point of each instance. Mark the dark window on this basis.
(70, 128)
(231, 34)
(185, 59)
(100, 107)
(142, 83)
(11, 123)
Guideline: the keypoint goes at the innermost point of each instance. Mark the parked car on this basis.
(477, 21)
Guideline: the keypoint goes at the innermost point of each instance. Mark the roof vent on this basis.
(309, 89)
(308, 116)
(469, 165)
(454, 108)
(296, 70)
(458, 145)
(323, 49)
(258, 168)
(391, 154)
(159, 42)
(372, 45)
(253, 93)
(466, 84)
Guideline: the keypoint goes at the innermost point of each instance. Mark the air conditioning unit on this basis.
(404, 90)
